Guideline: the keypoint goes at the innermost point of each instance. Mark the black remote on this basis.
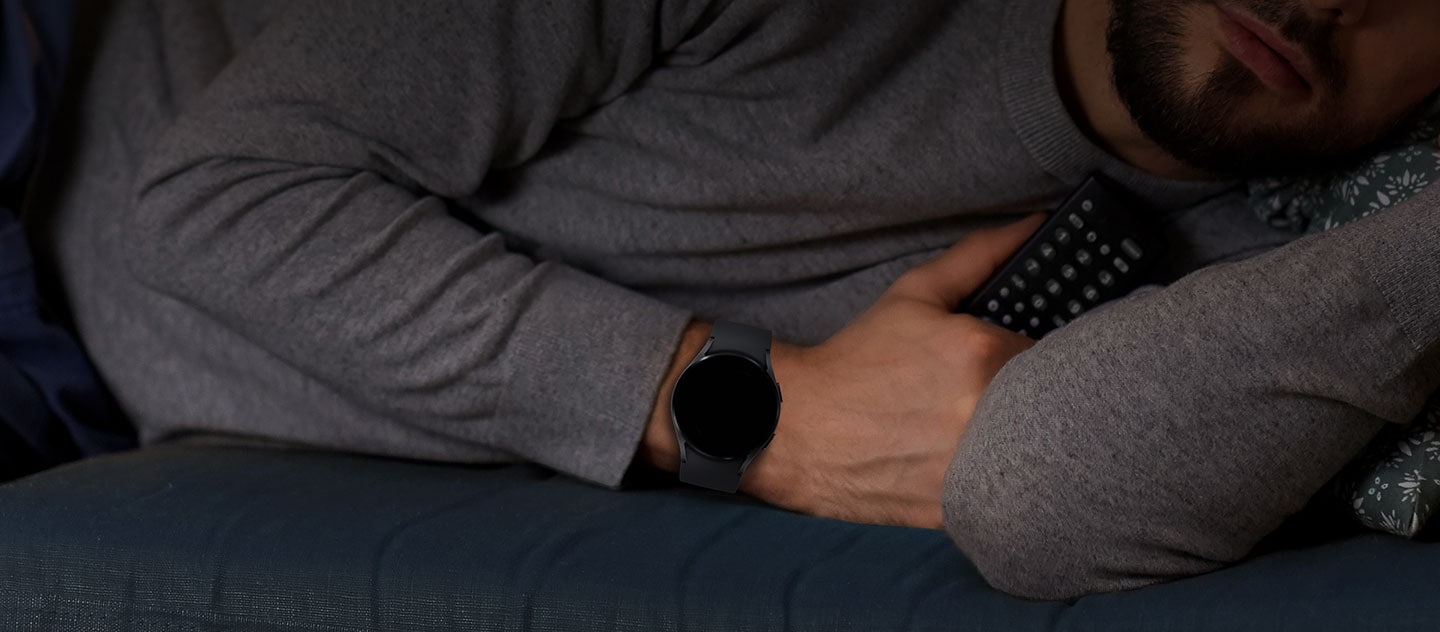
(1095, 248)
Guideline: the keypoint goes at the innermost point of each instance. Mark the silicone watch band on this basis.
(724, 474)
(751, 341)
(701, 470)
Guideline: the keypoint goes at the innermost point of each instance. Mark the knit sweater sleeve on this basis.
(305, 201)
(1168, 434)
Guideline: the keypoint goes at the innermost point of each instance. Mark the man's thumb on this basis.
(960, 270)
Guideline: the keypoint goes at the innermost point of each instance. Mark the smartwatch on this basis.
(725, 406)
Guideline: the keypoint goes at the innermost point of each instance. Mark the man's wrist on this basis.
(659, 448)
(769, 476)
(773, 473)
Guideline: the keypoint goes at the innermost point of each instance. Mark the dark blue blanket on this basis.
(52, 406)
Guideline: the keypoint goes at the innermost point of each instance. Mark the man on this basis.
(487, 232)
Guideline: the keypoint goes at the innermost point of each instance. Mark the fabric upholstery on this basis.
(53, 407)
(187, 538)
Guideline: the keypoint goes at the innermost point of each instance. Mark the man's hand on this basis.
(873, 415)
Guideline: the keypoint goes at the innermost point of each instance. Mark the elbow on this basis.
(1044, 511)
(174, 224)
(1018, 546)
(1022, 546)
(153, 241)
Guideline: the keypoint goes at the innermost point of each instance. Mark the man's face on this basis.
(1271, 87)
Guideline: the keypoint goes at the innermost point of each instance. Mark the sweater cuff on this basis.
(1402, 255)
(589, 358)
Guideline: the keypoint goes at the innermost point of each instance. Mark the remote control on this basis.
(1095, 248)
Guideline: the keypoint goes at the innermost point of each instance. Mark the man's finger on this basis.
(960, 270)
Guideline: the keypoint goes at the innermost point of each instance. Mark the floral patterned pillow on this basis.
(1394, 485)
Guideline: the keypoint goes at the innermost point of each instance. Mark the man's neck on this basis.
(1082, 72)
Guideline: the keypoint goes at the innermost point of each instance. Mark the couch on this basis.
(206, 538)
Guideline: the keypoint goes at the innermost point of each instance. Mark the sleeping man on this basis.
(495, 231)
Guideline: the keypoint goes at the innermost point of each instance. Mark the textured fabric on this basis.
(210, 539)
(1168, 434)
(473, 232)
(53, 408)
(1394, 486)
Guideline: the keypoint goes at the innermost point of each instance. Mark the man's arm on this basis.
(301, 202)
(1166, 436)
(872, 415)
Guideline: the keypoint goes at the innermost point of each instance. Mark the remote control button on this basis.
(1062, 236)
(1035, 321)
(1106, 279)
(1091, 236)
(1068, 271)
(1033, 267)
(1104, 249)
(1083, 256)
(986, 319)
(993, 306)
(1053, 287)
(1121, 265)
(1023, 332)
(1132, 249)
(1007, 319)
(1004, 292)
(1059, 321)
(1038, 301)
(1017, 281)
(1019, 308)
(1091, 294)
(1076, 221)
(1047, 251)
(1087, 206)
(1075, 307)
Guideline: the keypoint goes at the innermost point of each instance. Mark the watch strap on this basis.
(724, 474)
(752, 341)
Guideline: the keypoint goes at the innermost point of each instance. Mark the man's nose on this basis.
(1343, 12)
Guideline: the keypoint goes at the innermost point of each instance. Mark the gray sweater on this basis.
(474, 231)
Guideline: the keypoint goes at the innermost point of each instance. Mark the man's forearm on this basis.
(1169, 434)
(293, 236)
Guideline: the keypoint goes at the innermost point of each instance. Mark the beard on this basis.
(1209, 127)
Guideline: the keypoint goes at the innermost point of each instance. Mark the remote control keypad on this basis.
(1058, 277)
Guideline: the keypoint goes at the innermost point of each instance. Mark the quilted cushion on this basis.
(229, 539)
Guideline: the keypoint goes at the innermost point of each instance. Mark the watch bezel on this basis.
(704, 356)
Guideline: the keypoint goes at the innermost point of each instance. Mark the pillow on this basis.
(1394, 485)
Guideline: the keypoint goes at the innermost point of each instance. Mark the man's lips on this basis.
(1272, 58)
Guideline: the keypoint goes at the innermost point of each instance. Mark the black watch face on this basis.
(726, 405)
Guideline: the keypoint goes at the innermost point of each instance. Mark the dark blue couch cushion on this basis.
(230, 539)
(53, 408)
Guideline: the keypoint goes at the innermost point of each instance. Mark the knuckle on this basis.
(980, 343)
